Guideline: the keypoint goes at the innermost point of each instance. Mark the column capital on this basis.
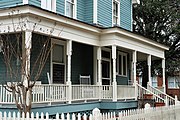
(163, 63)
(135, 56)
(149, 60)
(99, 53)
(113, 51)
(69, 47)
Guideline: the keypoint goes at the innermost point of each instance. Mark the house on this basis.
(93, 58)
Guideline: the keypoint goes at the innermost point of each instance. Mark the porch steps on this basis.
(148, 98)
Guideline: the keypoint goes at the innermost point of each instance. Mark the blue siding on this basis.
(88, 17)
(35, 2)
(60, 7)
(9, 3)
(105, 12)
(125, 14)
(80, 9)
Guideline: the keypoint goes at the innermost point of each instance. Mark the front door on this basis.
(106, 68)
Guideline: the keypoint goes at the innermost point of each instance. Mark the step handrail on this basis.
(150, 92)
(159, 91)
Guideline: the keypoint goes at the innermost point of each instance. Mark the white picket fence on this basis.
(160, 113)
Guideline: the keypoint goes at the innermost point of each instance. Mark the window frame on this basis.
(74, 8)
(118, 66)
(118, 14)
(58, 42)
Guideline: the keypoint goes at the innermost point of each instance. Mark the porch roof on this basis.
(69, 28)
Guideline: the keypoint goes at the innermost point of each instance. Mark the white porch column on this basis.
(69, 53)
(163, 74)
(99, 59)
(134, 73)
(26, 49)
(114, 73)
(149, 69)
(134, 66)
(27, 41)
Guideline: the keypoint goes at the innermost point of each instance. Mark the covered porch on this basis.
(86, 62)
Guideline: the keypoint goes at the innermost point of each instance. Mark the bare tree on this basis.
(21, 72)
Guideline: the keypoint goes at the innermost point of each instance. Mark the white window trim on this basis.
(118, 21)
(95, 11)
(109, 60)
(122, 54)
(55, 41)
(74, 9)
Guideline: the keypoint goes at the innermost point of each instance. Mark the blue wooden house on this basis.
(93, 58)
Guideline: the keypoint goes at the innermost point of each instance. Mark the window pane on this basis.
(58, 53)
(58, 73)
(115, 12)
(120, 65)
(124, 65)
(69, 9)
(105, 54)
(105, 69)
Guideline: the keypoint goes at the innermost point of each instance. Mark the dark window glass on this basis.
(105, 54)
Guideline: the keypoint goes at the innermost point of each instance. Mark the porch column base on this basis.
(99, 83)
(69, 91)
(114, 90)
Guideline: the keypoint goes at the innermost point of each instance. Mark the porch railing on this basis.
(142, 92)
(169, 100)
(46, 93)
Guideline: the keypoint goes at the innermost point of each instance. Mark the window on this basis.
(154, 81)
(49, 5)
(173, 82)
(70, 8)
(58, 62)
(116, 14)
(122, 64)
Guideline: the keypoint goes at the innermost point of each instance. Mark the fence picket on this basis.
(57, 116)
(47, 116)
(90, 117)
(23, 115)
(79, 116)
(9, 115)
(1, 115)
(73, 117)
(32, 116)
(84, 117)
(68, 116)
(62, 116)
(42, 116)
(37, 116)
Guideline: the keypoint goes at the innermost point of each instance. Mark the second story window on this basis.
(49, 5)
(116, 14)
(70, 8)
